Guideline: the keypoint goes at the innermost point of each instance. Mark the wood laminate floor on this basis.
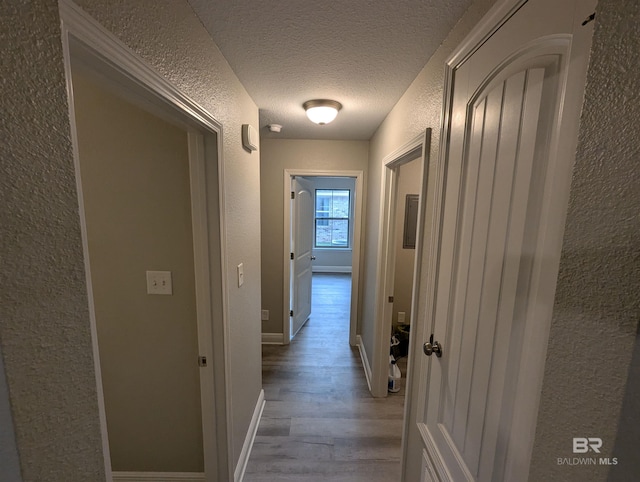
(320, 422)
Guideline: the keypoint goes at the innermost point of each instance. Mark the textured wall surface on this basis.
(276, 156)
(597, 306)
(44, 326)
(44, 317)
(9, 460)
(168, 35)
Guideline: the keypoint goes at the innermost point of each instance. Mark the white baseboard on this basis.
(273, 339)
(158, 477)
(331, 269)
(200, 477)
(365, 360)
(238, 475)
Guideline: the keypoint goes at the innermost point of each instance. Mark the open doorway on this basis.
(409, 181)
(323, 211)
(322, 234)
(147, 172)
(404, 187)
(135, 179)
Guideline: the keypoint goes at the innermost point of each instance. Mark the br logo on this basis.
(583, 445)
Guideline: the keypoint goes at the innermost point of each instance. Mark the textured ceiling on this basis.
(362, 53)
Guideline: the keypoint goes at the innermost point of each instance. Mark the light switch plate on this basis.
(159, 283)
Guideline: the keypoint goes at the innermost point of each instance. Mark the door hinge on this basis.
(291, 313)
(292, 257)
(293, 195)
(390, 299)
(202, 361)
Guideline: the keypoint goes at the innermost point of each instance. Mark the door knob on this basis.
(432, 347)
(313, 258)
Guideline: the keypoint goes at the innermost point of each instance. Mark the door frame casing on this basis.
(87, 42)
(529, 388)
(416, 148)
(355, 253)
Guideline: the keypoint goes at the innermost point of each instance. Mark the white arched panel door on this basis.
(302, 210)
(514, 107)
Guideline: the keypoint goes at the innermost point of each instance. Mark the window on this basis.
(332, 218)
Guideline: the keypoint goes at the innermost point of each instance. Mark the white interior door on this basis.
(302, 210)
(511, 127)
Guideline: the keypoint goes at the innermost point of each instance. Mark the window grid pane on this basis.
(332, 218)
(332, 233)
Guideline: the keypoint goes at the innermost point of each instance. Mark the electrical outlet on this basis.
(401, 317)
(265, 315)
(159, 283)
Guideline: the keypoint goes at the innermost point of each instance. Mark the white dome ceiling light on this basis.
(322, 111)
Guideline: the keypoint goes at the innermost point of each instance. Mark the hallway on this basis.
(320, 423)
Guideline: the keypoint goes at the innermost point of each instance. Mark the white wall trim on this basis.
(405, 153)
(119, 57)
(497, 16)
(248, 441)
(208, 284)
(273, 338)
(418, 147)
(365, 360)
(68, 20)
(158, 477)
(331, 269)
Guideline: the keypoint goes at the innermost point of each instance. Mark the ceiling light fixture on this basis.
(322, 111)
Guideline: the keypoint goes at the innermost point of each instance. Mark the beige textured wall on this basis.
(44, 315)
(135, 182)
(44, 323)
(9, 460)
(276, 156)
(597, 307)
(409, 182)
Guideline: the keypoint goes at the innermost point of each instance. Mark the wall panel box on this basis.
(249, 137)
